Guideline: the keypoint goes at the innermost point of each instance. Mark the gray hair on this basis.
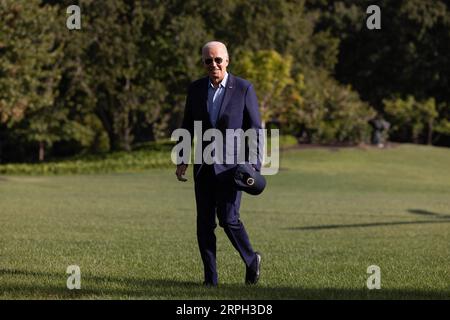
(211, 44)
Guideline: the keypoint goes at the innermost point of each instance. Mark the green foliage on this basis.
(326, 50)
(269, 73)
(443, 127)
(30, 67)
(320, 110)
(116, 70)
(147, 156)
(122, 78)
(412, 116)
(408, 56)
(319, 107)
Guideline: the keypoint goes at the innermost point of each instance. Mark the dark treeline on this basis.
(320, 74)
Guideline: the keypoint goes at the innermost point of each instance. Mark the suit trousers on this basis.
(214, 196)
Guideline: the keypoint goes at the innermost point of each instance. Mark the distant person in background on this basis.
(380, 128)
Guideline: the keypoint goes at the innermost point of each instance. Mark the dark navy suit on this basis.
(213, 192)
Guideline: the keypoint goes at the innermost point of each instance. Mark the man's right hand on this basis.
(181, 170)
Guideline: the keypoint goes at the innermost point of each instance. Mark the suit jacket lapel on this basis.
(228, 93)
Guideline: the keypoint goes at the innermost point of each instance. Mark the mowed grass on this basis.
(322, 221)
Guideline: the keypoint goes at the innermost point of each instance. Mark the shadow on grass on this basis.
(107, 287)
(437, 218)
(429, 213)
(363, 225)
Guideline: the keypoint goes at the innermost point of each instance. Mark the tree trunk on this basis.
(41, 151)
(106, 121)
(430, 132)
(263, 114)
(126, 140)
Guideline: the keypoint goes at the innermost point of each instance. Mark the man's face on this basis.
(215, 61)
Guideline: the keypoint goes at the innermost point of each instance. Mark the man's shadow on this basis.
(436, 218)
(108, 287)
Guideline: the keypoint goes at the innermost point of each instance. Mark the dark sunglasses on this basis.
(217, 60)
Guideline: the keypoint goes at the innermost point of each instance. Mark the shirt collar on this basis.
(222, 83)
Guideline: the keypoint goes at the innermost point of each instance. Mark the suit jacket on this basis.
(239, 110)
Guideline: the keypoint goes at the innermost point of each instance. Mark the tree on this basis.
(31, 69)
(269, 72)
(328, 112)
(408, 56)
(414, 118)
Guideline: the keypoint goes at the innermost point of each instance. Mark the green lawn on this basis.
(326, 217)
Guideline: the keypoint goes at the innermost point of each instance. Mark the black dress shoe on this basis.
(252, 276)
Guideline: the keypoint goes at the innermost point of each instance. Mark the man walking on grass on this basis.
(222, 101)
